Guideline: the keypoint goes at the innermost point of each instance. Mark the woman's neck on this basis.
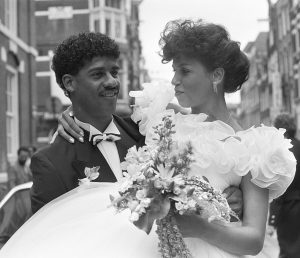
(216, 109)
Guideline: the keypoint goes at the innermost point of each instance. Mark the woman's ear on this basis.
(68, 82)
(218, 76)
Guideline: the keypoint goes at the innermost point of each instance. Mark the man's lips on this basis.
(109, 93)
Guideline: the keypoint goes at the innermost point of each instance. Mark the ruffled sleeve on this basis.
(150, 102)
(272, 164)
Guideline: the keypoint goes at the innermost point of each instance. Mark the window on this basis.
(108, 27)
(10, 11)
(279, 26)
(284, 25)
(97, 25)
(294, 43)
(113, 3)
(298, 87)
(296, 81)
(96, 3)
(298, 39)
(12, 107)
(118, 28)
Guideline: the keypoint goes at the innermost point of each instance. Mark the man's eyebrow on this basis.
(116, 67)
(93, 69)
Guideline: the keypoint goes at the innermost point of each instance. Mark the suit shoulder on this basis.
(129, 126)
(56, 149)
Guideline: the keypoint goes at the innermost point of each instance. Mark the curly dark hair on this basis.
(73, 53)
(210, 44)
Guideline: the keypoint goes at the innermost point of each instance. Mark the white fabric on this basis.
(80, 224)
(108, 149)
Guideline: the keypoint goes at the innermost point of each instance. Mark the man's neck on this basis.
(99, 121)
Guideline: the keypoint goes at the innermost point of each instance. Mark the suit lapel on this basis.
(83, 153)
(88, 155)
(125, 143)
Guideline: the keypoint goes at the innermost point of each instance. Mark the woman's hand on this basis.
(189, 225)
(68, 128)
(234, 198)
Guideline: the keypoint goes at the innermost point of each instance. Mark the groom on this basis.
(86, 68)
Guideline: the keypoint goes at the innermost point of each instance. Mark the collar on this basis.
(111, 128)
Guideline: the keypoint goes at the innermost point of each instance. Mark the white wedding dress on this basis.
(80, 223)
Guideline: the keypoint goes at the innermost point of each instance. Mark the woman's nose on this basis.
(175, 81)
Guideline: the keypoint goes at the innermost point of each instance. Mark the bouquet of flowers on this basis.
(156, 185)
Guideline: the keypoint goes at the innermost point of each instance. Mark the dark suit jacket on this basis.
(57, 168)
(288, 221)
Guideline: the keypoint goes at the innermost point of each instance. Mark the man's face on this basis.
(23, 156)
(96, 86)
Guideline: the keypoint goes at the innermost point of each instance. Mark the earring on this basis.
(215, 87)
(66, 93)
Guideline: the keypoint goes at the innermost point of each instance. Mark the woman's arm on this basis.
(242, 240)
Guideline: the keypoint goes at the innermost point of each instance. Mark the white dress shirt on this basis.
(108, 149)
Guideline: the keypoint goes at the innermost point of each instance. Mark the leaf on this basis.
(94, 176)
(205, 178)
(111, 198)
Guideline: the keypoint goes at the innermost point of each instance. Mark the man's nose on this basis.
(111, 82)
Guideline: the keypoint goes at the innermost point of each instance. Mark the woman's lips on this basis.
(178, 92)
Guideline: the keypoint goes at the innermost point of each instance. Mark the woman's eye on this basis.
(185, 71)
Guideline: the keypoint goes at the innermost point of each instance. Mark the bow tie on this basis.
(110, 137)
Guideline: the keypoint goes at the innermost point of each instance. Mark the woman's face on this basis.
(193, 84)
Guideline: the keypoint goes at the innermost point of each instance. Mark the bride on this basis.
(207, 64)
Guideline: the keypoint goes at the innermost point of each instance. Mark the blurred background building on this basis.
(17, 76)
(274, 80)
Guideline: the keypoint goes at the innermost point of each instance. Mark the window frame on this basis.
(12, 116)
(11, 15)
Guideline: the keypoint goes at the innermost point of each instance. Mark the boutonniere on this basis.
(91, 174)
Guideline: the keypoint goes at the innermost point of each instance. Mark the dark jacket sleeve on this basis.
(46, 183)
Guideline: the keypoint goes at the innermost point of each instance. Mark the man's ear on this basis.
(218, 75)
(68, 82)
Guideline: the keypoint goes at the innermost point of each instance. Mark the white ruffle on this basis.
(149, 102)
(273, 165)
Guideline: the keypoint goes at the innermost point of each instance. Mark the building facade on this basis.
(255, 93)
(295, 33)
(58, 19)
(17, 88)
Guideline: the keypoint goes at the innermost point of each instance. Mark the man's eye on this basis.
(97, 74)
(114, 74)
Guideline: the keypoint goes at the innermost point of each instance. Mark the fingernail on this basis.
(71, 113)
(71, 140)
(82, 133)
(81, 139)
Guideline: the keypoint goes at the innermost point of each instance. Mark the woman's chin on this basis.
(184, 104)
